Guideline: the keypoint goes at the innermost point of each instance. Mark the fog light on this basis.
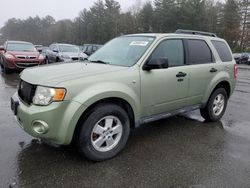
(40, 127)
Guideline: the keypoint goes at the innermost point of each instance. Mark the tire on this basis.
(1, 66)
(46, 60)
(212, 112)
(95, 141)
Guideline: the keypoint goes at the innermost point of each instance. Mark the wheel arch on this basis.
(109, 100)
(220, 84)
(223, 84)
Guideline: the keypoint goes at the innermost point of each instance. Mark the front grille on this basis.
(26, 57)
(26, 91)
(75, 58)
(27, 64)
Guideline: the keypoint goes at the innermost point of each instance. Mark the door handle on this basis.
(213, 70)
(181, 74)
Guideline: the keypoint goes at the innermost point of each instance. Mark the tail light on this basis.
(235, 71)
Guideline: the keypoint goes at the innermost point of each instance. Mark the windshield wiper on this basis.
(100, 61)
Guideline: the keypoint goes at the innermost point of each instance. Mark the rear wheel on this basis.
(216, 106)
(104, 132)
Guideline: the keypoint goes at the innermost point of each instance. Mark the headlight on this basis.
(9, 56)
(65, 57)
(46, 95)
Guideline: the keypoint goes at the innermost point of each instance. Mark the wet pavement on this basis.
(181, 151)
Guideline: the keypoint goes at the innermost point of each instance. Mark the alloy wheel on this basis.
(106, 133)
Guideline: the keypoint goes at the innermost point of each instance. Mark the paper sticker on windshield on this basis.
(139, 43)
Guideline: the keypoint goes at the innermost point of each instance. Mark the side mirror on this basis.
(40, 50)
(156, 63)
(55, 50)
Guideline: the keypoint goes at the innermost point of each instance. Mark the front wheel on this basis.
(46, 60)
(104, 132)
(216, 106)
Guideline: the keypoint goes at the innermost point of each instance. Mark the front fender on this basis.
(101, 91)
(96, 93)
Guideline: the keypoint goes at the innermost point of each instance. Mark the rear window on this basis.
(199, 52)
(223, 50)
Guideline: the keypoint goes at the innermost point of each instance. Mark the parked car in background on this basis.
(38, 47)
(237, 57)
(132, 80)
(59, 52)
(18, 55)
(89, 49)
(43, 50)
(245, 58)
(1, 50)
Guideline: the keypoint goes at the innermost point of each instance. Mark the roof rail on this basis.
(192, 32)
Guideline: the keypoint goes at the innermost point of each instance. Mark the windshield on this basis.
(68, 48)
(123, 51)
(21, 47)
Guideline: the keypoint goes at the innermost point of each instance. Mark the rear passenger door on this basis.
(202, 69)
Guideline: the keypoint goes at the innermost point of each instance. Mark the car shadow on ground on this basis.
(178, 140)
(10, 80)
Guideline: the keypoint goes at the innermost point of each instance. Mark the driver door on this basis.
(165, 90)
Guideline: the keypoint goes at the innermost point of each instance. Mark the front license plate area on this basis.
(14, 105)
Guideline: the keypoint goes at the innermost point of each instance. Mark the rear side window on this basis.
(199, 52)
(223, 51)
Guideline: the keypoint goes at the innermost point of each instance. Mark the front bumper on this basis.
(61, 118)
(22, 64)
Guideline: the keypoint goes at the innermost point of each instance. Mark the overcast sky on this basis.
(59, 9)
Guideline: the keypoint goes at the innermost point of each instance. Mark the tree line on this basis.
(105, 20)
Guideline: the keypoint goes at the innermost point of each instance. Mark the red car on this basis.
(18, 55)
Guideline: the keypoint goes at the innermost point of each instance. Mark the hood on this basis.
(51, 75)
(15, 53)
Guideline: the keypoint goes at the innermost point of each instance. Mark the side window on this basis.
(172, 50)
(94, 48)
(89, 48)
(52, 47)
(199, 52)
(223, 51)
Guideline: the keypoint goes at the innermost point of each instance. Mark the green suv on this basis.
(132, 80)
